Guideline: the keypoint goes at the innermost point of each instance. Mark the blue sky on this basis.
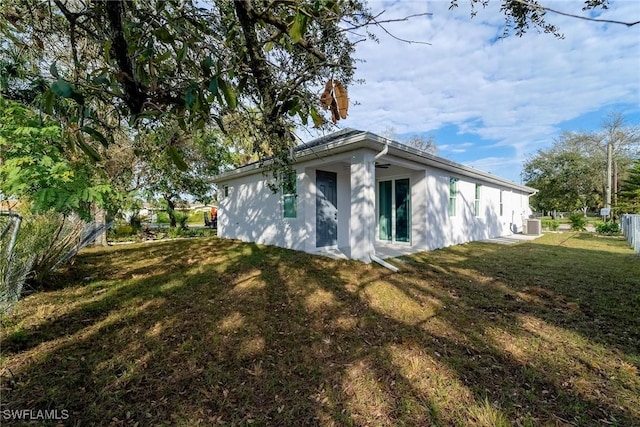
(492, 102)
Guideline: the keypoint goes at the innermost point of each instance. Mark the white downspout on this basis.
(372, 249)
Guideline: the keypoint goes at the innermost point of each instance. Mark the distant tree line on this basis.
(572, 174)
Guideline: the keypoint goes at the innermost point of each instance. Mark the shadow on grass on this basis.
(235, 333)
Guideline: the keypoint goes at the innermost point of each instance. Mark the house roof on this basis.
(350, 139)
(332, 137)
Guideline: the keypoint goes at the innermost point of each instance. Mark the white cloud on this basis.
(514, 91)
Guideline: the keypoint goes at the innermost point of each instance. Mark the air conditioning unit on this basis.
(533, 227)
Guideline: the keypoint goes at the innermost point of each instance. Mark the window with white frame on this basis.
(289, 196)
(476, 204)
(501, 202)
(453, 195)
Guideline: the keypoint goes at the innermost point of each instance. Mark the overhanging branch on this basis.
(571, 15)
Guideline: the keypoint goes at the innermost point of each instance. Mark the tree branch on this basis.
(571, 15)
(373, 20)
(270, 19)
(134, 97)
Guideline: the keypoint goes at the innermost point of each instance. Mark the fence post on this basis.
(635, 229)
(631, 230)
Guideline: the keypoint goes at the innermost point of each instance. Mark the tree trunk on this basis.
(99, 217)
(171, 206)
(276, 128)
(615, 183)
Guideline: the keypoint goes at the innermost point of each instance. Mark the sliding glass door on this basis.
(394, 210)
(403, 211)
(384, 214)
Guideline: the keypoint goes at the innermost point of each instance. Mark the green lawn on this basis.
(209, 331)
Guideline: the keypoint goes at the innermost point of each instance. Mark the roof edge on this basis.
(317, 147)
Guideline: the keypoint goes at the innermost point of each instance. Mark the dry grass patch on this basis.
(215, 332)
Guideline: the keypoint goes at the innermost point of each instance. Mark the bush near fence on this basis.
(631, 230)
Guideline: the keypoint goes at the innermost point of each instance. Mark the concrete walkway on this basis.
(512, 239)
(386, 251)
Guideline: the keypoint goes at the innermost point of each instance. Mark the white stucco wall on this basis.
(465, 226)
(253, 213)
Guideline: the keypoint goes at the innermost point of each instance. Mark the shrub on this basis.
(136, 222)
(551, 224)
(578, 222)
(609, 228)
(14, 266)
(195, 232)
(172, 233)
(162, 218)
(196, 218)
(181, 219)
(44, 243)
(123, 230)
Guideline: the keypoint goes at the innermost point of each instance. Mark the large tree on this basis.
(572, 174)
(37, 166)
(564, 179)
(629, 200)
(198, 154)
(137, 63)
(147, 61)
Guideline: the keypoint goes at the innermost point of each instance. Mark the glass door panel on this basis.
(384, 214)
(403, 210)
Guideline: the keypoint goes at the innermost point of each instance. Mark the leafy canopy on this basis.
(146, 62)
(34, 166)
(572, 174)
(630, 191)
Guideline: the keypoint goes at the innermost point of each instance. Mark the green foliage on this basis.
(182, 218)
(629, 196)
(15, 266)
(36, 167)
(572, 174)
(163, 218)
(609, 228)
(550, 224)
(50, 236)
(42, 244)
(135, 222)
(578, 222)
(193, 64)
(205, 154)
(196, 217)
(173, 232)
(115, 65)
(123, 230)
(564, 178)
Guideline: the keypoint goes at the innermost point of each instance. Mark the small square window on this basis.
(289, 198)
(289, 205)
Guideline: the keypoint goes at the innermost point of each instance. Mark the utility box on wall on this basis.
(533, 227)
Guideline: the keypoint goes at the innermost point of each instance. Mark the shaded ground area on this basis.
(209, 331)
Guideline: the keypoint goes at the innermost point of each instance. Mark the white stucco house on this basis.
(364, 196)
